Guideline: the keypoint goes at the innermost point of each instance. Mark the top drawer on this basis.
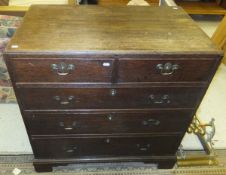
(101, 70)
(165, 70)
(61, 70)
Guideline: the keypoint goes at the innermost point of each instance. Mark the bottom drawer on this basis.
(105, 146)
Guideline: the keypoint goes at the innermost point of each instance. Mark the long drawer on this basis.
(107, 98)
(164, 121)
(101, 70)
(54, 148)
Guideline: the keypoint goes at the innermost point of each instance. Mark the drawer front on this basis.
(106, 98)
(62, 70)
(108, 123)
(107, 146)
(164, 70)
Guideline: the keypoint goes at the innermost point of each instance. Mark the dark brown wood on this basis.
(165, 121)
(115, 84)
(147, 159)
(83, 71)
(43, 168)
(166, 164)
(109, 29)
(147, 70)
(106, 146)
(92, 70)
(102, 98)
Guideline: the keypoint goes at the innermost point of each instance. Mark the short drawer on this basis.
(61, 70)
(165, 70)
(163, 121)
(107, 98)
(105, 147)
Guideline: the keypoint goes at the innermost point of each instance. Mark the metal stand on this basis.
(205, 134)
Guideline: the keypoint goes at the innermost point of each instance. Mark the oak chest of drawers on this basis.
(108, 84)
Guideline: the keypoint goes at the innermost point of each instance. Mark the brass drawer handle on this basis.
(167, 68)
(159, 99)
(70, 149)
(113, 92)
(69, 127)
(151, 122)
(145, 147)
(107, 140)
(64, 100)
(62, 68)
(110, 117)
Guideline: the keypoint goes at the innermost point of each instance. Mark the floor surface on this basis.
(23, 164)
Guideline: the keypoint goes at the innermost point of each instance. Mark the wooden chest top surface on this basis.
(108, 29)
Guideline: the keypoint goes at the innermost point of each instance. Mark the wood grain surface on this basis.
(109, 29)
(72, 67)
(154, 121)
(105, 146)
